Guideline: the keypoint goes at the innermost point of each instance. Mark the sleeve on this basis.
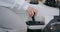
(21, 4)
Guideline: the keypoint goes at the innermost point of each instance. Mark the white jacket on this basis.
(9, 16)
(14, 3)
